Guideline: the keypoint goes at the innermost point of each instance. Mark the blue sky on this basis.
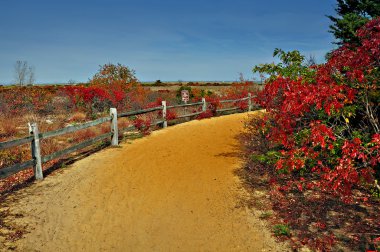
(168, 40)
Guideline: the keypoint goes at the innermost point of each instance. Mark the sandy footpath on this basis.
(174, 190)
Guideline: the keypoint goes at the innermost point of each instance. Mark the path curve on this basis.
(174, 190)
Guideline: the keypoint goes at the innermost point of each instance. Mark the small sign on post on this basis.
(185, 95)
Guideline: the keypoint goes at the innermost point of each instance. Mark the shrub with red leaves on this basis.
(171, 114)
(205, 114)
(142, 124)
(325, 119)
(321, 137)
(213, 103)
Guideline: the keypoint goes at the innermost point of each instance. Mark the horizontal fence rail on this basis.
(14, 143)
(75, 147)
(236, 100)
(139, 112)
(227, 109)
(7, 171)
(74, 128)
(133, 128)
(185, 105)
(190, 115)
(34, 138)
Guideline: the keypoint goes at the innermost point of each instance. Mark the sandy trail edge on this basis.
(171, 191)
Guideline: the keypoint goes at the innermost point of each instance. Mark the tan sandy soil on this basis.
(174, 190)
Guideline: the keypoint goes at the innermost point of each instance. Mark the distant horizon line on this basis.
(79, 82)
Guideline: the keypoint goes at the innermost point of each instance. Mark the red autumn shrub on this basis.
(213, 103)
(171, 114)
(142, 124)
(205, 114)
(322, 139)
(318, 115)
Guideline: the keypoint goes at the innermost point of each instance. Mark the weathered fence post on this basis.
(114, 129)
(204, 105)
(249, 102)
(165, 124)
(36, 151)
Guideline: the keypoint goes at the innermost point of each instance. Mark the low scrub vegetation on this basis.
(317, 147)
(54, 107)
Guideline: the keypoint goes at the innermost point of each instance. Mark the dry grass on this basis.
(82, 135)
(78, 117)
(7, 128)
(14, 155)
(49, 146)
(123, 123)
(105, 128)
(30, 118)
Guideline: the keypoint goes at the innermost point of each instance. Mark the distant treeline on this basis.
(153, 83)
(197, 83)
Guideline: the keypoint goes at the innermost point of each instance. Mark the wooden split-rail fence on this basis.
(35, 136)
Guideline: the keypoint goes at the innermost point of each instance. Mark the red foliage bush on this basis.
(310, 117)
(213, 103)
(171, 114)
(142, 124)
(321, 135)
(205, 114)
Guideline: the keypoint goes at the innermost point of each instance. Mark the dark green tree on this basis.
(351, 15)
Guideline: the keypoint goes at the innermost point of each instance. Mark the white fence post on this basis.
(249, 102)
(36, 151)
(204, 105)
(165, 124)
(114, 129)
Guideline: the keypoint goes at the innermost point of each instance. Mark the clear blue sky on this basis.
(160, 39)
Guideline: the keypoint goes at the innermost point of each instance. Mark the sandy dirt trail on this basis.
(174, 190)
